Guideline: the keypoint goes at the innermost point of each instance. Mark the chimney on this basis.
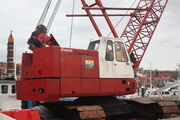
(10, 54)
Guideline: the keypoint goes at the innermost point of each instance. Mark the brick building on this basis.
(158, 77)
(3, 67)
(7, 69)
(10, 55)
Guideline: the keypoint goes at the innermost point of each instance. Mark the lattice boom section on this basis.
(141, 27)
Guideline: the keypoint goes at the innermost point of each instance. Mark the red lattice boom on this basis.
(141, 26)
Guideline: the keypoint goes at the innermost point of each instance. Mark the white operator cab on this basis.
(114, 61)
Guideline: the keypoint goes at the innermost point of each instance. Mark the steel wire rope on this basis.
(121, 18)
(53, 15)
(72, 21)
(44, 14)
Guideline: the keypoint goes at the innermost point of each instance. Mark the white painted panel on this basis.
(113, 69)
(5, 117)
(8, 101)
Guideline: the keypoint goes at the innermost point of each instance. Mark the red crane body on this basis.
(65, 72)
(105, 69)
(51, 73)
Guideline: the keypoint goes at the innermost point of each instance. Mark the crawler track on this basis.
(102, 108)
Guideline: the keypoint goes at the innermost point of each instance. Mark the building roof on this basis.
(11, 39)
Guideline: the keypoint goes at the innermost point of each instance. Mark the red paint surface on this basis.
(43, 63)
(22, 114)
(70, 65)
(62, 72)
(30, 89)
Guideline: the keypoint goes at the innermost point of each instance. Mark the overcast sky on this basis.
(21, 16)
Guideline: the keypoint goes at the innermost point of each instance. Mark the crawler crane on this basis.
(106, 69)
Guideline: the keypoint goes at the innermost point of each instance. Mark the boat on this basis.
(153, 92)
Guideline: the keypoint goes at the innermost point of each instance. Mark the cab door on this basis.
(106, 59)
(121, 64)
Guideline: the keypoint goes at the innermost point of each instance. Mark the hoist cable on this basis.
(44, 14)
(72, 21)
(53, 15)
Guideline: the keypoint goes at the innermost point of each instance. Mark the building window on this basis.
(4, 89)
(120, 51)
(13, 89)
(109, 51)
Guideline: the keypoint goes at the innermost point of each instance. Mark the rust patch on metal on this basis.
(91, 112)
(142, 101)
(169, 108)
(165, 103)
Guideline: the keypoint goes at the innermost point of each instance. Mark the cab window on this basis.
(109, 51)
(94, 45)
(4, 89)
(120, 52)
(13, 89)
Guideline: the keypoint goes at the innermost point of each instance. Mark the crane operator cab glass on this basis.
(114, 60)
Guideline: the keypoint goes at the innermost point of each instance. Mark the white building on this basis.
(8, 95)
